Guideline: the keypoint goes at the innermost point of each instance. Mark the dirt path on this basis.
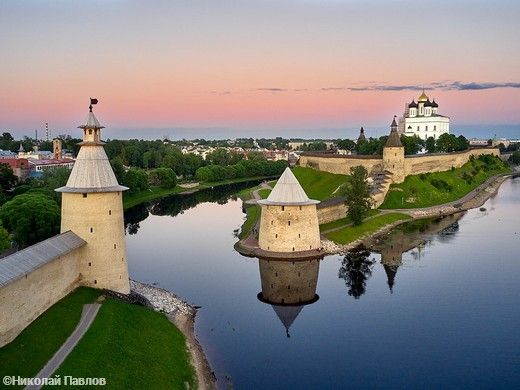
(87, 317)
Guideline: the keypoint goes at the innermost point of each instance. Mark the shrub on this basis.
(441, 184)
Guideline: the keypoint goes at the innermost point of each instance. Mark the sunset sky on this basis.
(255, 67)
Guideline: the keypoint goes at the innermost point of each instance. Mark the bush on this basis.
(515, 158)
(441, 184)
(422, 176)
(163, 177)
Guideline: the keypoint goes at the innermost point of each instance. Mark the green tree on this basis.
(412, 144)
(446, 143)
(31, 217)
(5, 239)
(136, 180)
(7, 177)
(346, 144)
(515, 158)
(462, 143)
(430, 145)
(163, 177)
(118, 168)
(357, 192)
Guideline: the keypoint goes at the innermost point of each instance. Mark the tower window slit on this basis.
(276, 236)
(95, 281)
(283, 208)
(84, 195)
(90, 264)
(115, 246)
(91, 230)
(109, 212)
(289, 222)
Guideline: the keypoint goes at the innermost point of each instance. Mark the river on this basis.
(435, 306)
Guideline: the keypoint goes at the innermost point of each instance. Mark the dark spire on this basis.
(393, 139)
(361, 135)
(390, 271)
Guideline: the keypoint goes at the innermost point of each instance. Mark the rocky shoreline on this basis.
(182, 314)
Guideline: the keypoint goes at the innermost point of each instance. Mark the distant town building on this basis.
(423, 120)
(20, 166)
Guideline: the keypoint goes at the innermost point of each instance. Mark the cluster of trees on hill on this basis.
(411, 144)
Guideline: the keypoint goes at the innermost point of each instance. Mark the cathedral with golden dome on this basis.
(423, 120)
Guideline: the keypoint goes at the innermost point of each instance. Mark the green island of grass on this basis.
(351, 233)
(431, 189)
(115, 347)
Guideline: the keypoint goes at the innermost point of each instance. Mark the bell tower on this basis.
(92, 207)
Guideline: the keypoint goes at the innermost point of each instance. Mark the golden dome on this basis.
(423, 97)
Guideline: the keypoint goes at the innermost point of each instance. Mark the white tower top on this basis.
(92, 171)
(288, 192)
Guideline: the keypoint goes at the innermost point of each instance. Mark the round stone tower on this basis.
(289, 219)
(92, 207)
(393, 155)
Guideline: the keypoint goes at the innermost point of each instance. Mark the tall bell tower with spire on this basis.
(92, 207)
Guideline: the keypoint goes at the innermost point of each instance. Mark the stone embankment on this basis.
(182, 314)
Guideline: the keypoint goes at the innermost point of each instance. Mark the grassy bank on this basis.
(252, 216)
(319, 185)
(433, 189)
(153, 193)
(29, 352)
(351, 233)
(132, 347)
(344, 221)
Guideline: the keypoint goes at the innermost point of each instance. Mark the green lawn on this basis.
(352, 233)
(253, 213)
(264, 193)
(432, 189)
(29, 352)
(132, 347)
(318, 184)
(344, 221)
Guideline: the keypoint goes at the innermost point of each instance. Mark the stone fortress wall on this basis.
(23, 300)
(413, 165)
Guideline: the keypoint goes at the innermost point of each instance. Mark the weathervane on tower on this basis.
(92, 101)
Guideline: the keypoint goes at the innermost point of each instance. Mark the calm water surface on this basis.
(435, 307)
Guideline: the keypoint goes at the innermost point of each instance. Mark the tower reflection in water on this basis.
(288, 286)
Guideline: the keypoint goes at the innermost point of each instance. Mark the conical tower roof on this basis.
(92, 171)
(394, 140)
(288, 191)
(91, 122)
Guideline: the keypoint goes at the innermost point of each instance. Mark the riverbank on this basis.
(474, 199)
(182, 315)
(154, 193)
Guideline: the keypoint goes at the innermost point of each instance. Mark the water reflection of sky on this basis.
(451, 319)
